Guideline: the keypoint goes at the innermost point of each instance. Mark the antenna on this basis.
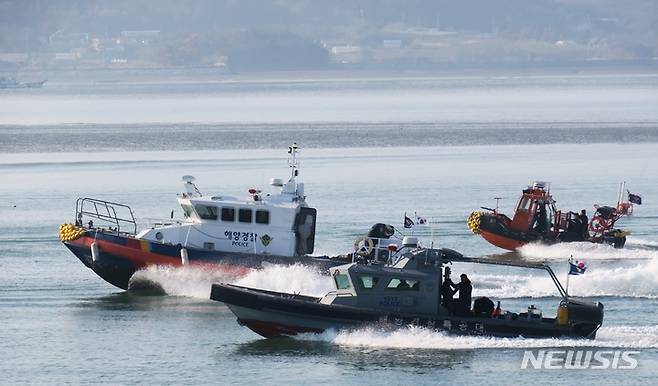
(497, 200)
(620, 198)
(293, 162)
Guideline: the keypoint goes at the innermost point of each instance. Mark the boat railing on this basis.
(107, 211)
(150, 222)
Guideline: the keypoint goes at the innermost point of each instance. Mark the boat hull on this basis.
(120, 256)
(272, 314)
(496, 230)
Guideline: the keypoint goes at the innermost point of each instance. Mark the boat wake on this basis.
(186, 281)
(196, 282)
(634, 249)
(635, 280)
(418, 337)
(636, 243)
(296, 278)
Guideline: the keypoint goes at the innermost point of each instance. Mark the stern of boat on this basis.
(585, 318)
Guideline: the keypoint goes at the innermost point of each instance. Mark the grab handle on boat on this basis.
(95, 252)
(183, 257)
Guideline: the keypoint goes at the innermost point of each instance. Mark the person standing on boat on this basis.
(464, 302)
(584, 223)
(541, 220)
(448, 291)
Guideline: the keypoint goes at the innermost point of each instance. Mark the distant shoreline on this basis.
(448, 70)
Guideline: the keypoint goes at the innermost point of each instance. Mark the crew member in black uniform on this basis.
(447, 291)
(584, 222)
(464, 302)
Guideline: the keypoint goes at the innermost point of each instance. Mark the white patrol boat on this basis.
(224, 232)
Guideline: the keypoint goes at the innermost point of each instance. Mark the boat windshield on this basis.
(342, 281)
(524, 203)
(188, 210)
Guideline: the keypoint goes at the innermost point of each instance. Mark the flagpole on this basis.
(415, 220)
(431, 234)
(568, 271)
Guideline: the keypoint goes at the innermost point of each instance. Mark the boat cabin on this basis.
(411, 284)
(278, 222)
(535, 210)
(410, 281)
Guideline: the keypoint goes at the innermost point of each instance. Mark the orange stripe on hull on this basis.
(139, 257)
(137, 251)
(502, 242)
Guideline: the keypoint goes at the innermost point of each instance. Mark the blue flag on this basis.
(408, 223)
(577, 267)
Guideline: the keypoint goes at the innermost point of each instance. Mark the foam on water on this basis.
(184, 281)
(635, 249)
(289, 279)
(638, 280)
(196, 282)
(637, 243)
(423, 338)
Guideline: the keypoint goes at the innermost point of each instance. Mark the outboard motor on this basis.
(586, 318)
(381, 231)
(607, 212)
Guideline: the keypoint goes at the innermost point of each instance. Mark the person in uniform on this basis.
(464, 301)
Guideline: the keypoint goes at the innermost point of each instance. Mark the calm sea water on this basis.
(373, 150)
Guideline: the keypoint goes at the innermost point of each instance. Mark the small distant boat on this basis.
(6, 82)
(537, 219)
(406, 291)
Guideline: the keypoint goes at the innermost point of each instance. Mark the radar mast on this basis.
(293, 162)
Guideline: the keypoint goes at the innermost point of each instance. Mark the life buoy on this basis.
(366, 248)
(598, 224)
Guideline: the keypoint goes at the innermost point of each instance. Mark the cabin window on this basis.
(228, 214)
(368, 282)
(524, 204)
(244, 215)
(207, 212)
(342, 281)
(403, 285)
(187, 210)
(262, 217)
